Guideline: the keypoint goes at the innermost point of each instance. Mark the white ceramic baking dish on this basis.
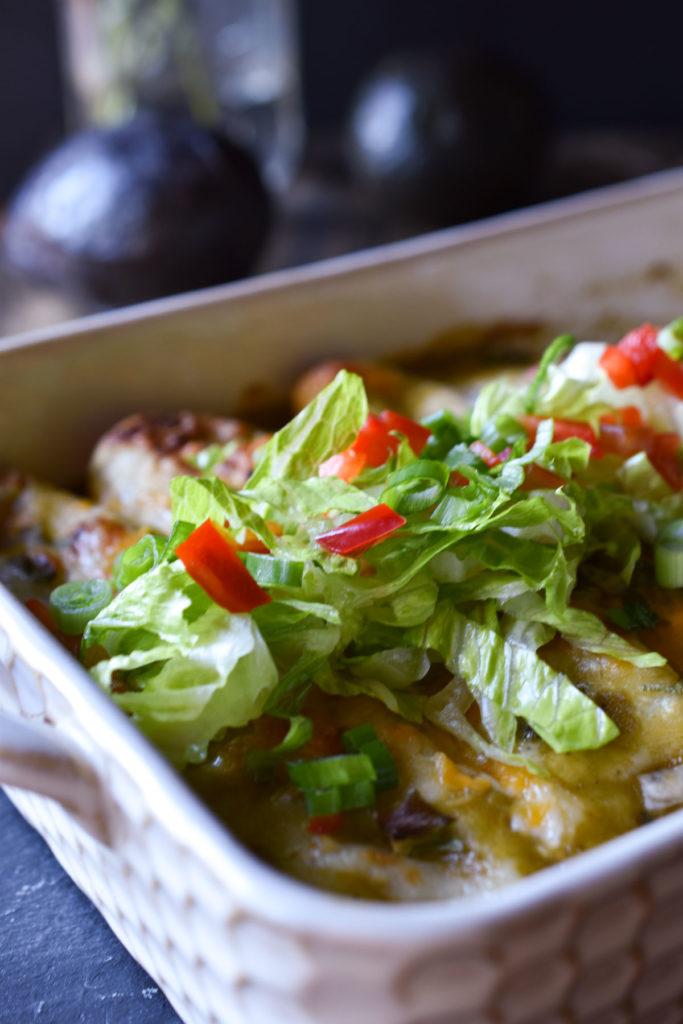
(598, 938)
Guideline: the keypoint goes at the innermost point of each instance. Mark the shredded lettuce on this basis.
(325, 426)
(194, 499)
(193, 668)
(477, 582)
(514, 679)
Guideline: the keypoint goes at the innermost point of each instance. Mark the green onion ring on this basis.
(74, 604)
(269, 571)
(137, 560)
(324, 772)
(416, 487)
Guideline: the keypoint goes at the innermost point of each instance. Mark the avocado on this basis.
(446, 138)
(155, 206)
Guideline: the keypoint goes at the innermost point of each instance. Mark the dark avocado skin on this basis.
(156, 206)
(446, 138)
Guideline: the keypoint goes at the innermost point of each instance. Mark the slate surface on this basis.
(59, 962)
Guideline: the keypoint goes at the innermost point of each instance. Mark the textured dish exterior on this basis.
(598, 939)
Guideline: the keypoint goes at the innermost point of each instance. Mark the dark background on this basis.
(598, 63)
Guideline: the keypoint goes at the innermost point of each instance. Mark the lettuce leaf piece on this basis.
(583, 629)
(567, 398)
(327, 425)
(398, 667)
(342, 684)
(499, 397)
(610, 530)
(193, 669)
(296, 629)
(512, 676)
(554, 351)
(293, 500)
(538, 566)
(565, 457)
(194, 499)
(409, 606)
(447, 709)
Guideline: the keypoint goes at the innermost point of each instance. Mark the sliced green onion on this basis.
(324, 772)
(357, 794)
(138, 559)
(383, 763)
(416, 487)
(364, 740)
(354, 739)
(74, 604)
(321, 802)
(299, 733)
(669, 555)
(555, 350)
(180, 532)
(269, 571)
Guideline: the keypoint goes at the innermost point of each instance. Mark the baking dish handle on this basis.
(35, 758)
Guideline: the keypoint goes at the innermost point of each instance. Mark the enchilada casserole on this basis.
(419, 642)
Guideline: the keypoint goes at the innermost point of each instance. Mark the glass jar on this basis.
(229, 63)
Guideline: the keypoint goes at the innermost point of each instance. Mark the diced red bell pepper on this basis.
(457, 479)
(375, 442)
(537, 478)
(325, 824)
(347, 465)
(362, 532)
(618, 367)
(212, 561)
(625, 440)
(669, 373)
(415, 434)
(640, 346)
(630, 416)
(664, 452)
(485, 454)
(563, 430)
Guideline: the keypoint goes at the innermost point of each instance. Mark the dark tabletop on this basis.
(59, 962)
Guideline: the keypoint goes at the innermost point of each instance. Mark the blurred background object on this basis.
(154, 206)
(445, 137)
(230, 64)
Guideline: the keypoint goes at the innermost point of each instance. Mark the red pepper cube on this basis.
(347, 465)
(618, 367)
(669, 373)
(362, 532)
(485, 454)
(210, 558)
(415, 434)
(640, 346)
(664, 453)
(325, 824)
